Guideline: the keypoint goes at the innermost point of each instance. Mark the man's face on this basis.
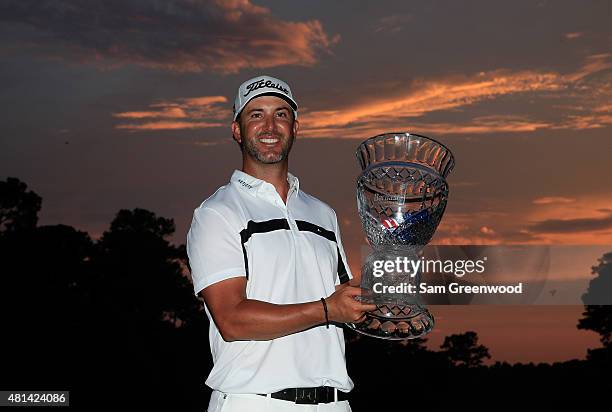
(266, 130)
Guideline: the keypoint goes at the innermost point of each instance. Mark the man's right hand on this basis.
(343, 307)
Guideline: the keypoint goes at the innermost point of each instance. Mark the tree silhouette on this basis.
(43, 290)
(151, 324)
(598, 318)
(114, 316)
(142, 273)
(18, 208)
(463, 349)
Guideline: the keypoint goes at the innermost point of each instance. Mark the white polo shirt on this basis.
(290, 254)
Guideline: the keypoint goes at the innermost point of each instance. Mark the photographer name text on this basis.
(452, 288)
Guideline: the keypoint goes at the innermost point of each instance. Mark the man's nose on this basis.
(269, 124)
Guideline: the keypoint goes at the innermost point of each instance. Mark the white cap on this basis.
(263, 85)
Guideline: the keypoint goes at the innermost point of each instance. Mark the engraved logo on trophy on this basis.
(401, 197)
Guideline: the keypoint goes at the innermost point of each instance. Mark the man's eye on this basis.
(281, 114)
(256, 115)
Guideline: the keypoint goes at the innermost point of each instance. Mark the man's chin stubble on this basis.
(271, 160)
(262, 158)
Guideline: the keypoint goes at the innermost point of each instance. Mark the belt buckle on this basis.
(306, 396)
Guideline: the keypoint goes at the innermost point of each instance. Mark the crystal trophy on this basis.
(401, 197)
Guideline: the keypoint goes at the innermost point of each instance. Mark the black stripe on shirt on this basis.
(259, 227)
(329, 235)
(283, 224)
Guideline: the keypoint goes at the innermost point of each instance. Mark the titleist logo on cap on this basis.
(263, 83)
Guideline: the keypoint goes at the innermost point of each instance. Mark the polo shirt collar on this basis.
(260, 188)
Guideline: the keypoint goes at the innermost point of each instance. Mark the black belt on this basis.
(312, 396)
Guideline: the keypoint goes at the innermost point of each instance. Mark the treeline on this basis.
(115, 321)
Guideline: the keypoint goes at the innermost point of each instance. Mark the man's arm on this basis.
(239, 318)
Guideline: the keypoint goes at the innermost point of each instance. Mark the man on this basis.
(268, 261)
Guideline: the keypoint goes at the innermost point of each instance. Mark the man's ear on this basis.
(296, 127)
(236, 132)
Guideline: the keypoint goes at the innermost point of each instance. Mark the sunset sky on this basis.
(125, 104)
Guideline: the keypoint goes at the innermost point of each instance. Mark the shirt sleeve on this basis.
(213, 248)
(344, 271)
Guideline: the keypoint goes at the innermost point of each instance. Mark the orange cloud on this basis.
(203, 101)
(197, 113)
(485, 124)
(577, 221)
(552, 200)
(573, 35)
(460, 229)
(554, 220)
(380, 114)
(169, 112)
(168, 125)
(603, 108)
(479, 125)
(595, 63)
(430, 96)
(583, 122)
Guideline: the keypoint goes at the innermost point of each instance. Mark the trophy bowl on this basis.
(401, 197)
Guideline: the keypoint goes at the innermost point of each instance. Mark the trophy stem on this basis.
(399, 314)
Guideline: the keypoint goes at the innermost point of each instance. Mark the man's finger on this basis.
(354, 291)
(361, 318)
(367, 307)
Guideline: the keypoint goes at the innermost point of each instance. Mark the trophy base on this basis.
(396, 322)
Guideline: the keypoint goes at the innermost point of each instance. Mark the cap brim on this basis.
(286, 98)
(282, 96)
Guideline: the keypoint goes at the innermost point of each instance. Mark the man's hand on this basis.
(343, 307)
(239, 318)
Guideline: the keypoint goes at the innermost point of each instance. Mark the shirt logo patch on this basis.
(245, 184)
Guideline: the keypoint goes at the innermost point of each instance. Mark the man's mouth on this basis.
(269, 140)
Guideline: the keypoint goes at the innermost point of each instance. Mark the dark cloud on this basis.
(178, 35)
(573, 225)
(393, 23)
